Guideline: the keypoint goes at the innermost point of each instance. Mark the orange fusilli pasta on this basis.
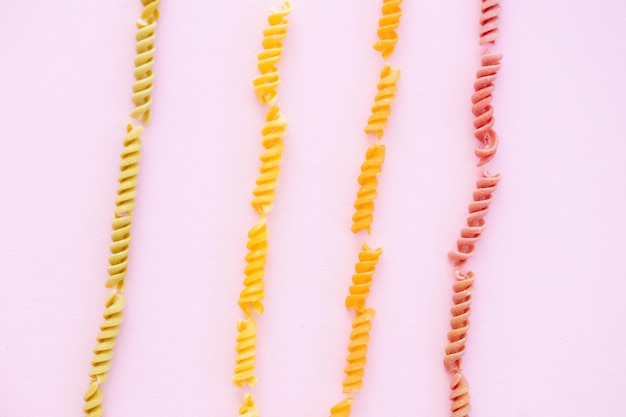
(246, 351)
(364, 204)
(273, 133)
(357, 348)
(265, 84)
(251, 297)
(459, 395)
(341, 409)
(387, 25)
(381, 110)
(459, 323)
(362, 279)
(482, 108)
(144, 61)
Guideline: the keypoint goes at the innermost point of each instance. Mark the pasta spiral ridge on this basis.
(362, 279)
(459, 323)
(478, 208)
(103, 352)
(367, 193)
(249, 408)
(489, 21)
(124, 207)
(144, 61)
(386, 95)
(265, 85)
(387, 25)
(273, 133)
(357, 348)
(460, 396)
(251, 297)
(482, 108)
(341, 409)
(246, 351)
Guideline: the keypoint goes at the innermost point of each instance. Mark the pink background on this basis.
(548, 329)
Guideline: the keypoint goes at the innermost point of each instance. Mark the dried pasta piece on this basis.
(265, 85)
(118, 261)
(251, 297)
(478, 208)
(362, 279)
(246, 351)
(489, 21)
(341, 409)
(364, 204)
(482, 108)
(381, 110)
(249, 408)
(387, 25)
(144, 61)
(459, 323)
(274, 130)
(357, 348)
(459, 396)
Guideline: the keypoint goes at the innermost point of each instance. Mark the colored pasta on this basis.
(246, 351)
(144, 61)
(265, 84)
(118, 261)
(364, 204)
(362, 279)
(273, 133)
(478, 208)
(489, 21)
(341, 409)
(459, 323)
(357, 348)
(381, 110)
(459, 395)
(249, 408)
(387, 25)
(251, 297)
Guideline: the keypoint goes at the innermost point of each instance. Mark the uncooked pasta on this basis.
(387, 25)
(362, 279)
(381, 110)
(249, 408)
(341, 409)
(357, 348)
(482, 108)
(251, 297)
(367, 193)
(246, 353)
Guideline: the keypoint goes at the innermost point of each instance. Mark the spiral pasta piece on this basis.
(482, 108)
(460, 396)
(124, 207)
(357, 348)
(387, 25)
(103, 352)
(265, 85)
(478, 208)
(381, 110)
(364, 204)
(274, 130)
(246, 353)
(144, 61)
(341, 409)
(459, 323)
(251, 297)
(362, 279)
(249, 408)
(489, 21)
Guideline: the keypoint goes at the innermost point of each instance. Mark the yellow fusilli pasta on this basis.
(362, 279)
(118, 261)
(246, 351)
(274, 130)
(357, 348)
(144, 61)
(387, 25)
(249, 408)
(341, 409)
(265, 84)
(251, 297)
(381, 110)
(364, 204)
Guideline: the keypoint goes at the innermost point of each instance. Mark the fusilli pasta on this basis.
(341, 409)
(364, 204)
(459, 323)
(273, 133)
(251, 297)
(246, 351)
(381, 110)
(387, 25)
(489, 21)
(249, 408)
(265, 84)
(144, 61)
(482, 108)
(459, 396)
(362, 279)
(357, 348)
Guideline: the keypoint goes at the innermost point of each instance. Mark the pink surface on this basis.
(548, 327)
